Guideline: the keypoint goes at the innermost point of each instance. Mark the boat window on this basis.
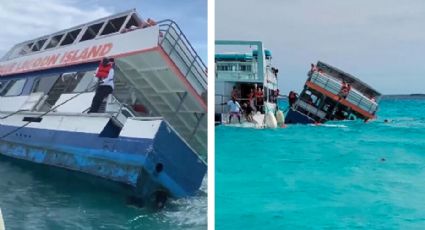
(245, 68)
(26, 49)
(132, 22)
(14, 88)
(62, 85)
(3, 85)
(72, 80)
(91, 31)
(14, 53)
(314, 98)
(54, 41)
(70, 37)
(44, 84)
(113, 25)
(226, 67)
(86, 82)
(39, 44)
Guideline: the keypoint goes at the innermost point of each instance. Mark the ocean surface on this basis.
(40, 197)
(341, 175)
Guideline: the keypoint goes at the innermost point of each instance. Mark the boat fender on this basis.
(270, 120)
(280, 118)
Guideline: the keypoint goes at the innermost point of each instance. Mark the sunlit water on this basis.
(41, 197)
(341, 175)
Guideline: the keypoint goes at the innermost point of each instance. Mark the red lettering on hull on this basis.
(91, 53)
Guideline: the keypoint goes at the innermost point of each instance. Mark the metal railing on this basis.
(354, 96)
(176, 45)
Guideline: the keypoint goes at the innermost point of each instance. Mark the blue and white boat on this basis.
(152, 132)
(245, 66)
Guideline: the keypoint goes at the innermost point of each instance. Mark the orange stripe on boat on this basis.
(342, 101)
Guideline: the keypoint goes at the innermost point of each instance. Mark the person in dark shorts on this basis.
(105, 76)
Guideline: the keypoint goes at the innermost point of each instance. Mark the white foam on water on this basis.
(190, 212)
(244, 125)
(330, 125)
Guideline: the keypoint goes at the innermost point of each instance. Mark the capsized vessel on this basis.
(332, 94)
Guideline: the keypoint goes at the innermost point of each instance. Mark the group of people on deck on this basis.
(253, 103)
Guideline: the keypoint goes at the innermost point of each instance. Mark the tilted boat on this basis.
(331, 94)
(151, 133)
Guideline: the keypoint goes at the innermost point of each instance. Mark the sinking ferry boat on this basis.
(249, 77)
(331, 94)
(151, 133)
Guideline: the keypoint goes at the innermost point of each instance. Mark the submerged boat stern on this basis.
(146, 153)
(171, 166)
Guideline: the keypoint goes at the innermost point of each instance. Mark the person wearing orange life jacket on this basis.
(105, 76)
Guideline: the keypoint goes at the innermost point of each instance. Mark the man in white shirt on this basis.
(235, 109)
(105, 76)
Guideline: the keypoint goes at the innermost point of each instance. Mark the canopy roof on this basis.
(353, 81)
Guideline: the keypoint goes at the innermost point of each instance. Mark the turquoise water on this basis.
(40, 197)
(343, 175)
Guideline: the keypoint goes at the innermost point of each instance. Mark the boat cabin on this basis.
(331, 94)
(244, 71)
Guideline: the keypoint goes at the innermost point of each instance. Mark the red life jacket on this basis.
(103, 71)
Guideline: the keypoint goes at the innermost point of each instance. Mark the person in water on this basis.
(276, 95)
(251, 100)
(259, 98)
(105, 76)
(292, 98)
(248, 112)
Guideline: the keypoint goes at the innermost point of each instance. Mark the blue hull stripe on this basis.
(120, 159)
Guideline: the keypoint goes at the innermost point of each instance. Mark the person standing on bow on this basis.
(234, 109)
(105, 76)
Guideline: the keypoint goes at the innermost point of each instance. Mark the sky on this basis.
(382, 42)
(23, 20)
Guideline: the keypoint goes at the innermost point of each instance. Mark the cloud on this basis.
(24, 20)
(379, 41)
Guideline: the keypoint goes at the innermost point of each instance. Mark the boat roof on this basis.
(353, 81)
(240, 56)
(87, 31)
